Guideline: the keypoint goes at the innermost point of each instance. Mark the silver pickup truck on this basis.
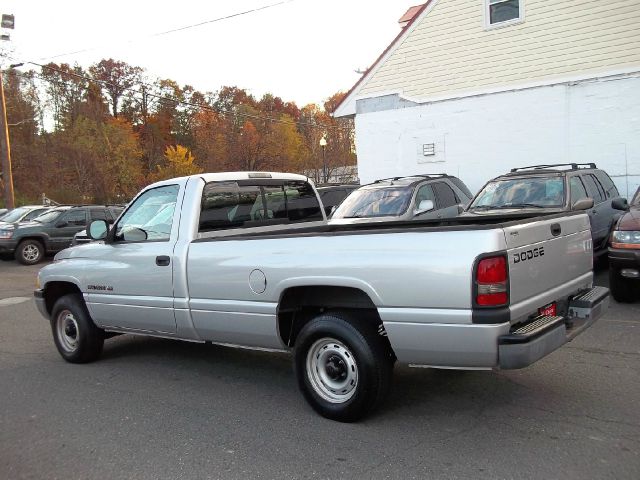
(248, 259)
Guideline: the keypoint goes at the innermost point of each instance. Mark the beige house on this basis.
(475, 87)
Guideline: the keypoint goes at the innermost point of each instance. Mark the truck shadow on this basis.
(414, 394)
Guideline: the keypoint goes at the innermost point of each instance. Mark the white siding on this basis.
(478, 138)
(450, 53)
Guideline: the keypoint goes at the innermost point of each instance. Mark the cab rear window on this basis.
(240, 205)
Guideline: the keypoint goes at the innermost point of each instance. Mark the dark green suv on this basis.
(52, 231)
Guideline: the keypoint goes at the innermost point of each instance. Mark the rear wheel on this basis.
(29, 252)
(343, 366)
(77, 338)
(622, 289)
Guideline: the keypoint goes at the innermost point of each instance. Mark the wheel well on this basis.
(298, 305)
(54, 290)
(38, 239)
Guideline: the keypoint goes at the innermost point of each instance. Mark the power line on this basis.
(174, 30)
(203, 106)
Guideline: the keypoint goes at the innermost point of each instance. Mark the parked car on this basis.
(624, 254)
(404, 198)
(247, 259)
(22, 214)
(333, 195)
(112, 213)
(550, 189)
(3, 211)
(50, 232)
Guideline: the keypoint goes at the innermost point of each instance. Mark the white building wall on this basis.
(477, 138)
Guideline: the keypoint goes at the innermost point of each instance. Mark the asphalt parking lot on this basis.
(155, 409)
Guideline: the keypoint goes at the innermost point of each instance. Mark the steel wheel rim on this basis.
(30, 252)
(332, 370)
(68, 331)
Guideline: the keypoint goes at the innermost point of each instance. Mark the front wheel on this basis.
(622, 289)
(343, 366)
(77, 338)
(29, 252)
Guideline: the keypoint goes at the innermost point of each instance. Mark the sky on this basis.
(299, 50)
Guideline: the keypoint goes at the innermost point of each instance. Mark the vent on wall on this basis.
(428, 149)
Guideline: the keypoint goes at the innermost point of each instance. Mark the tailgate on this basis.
(549, 259)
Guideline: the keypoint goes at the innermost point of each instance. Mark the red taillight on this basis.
(491, 282)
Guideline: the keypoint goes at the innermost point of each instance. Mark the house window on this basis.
(504, 12)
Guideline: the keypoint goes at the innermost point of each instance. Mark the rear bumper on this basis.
(417, 340)
(529, 343)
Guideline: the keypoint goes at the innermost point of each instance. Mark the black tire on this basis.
(335, 347)
(29, 252)
(622, 289)
(77, 338)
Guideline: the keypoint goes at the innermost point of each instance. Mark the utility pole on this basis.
(8, 22)
(5, 150)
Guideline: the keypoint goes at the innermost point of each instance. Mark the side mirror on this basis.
(134, 234)
(620, 204)
(583, 204)
(424, 206)
(61, 224)
(98, 230)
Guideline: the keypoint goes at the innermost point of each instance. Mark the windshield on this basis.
(375, 202)
(521, 192)
(49, 216)
(15, 215)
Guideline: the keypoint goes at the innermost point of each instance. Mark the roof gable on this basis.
(347, 106)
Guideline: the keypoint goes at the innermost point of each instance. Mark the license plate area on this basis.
(548, 310)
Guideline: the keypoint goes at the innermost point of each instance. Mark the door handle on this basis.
(556, 229)
(163, 260)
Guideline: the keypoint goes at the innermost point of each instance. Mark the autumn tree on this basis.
(116, 79)
(179, 162)
(66, 88)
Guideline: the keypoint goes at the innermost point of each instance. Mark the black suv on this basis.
(51, 231)
(333, 195)
(554, 189)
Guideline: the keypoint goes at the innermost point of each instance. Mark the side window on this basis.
(425, 192)
(113, 213)
(33, 214)
(75, 218)
(503, 11)
(463, 188)
(444, 193)
(99, 214)
(577, 190)
(152, 212)
(593, 188)
(610, 190)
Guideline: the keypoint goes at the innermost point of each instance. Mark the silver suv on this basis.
(554, 189)
(404, 198)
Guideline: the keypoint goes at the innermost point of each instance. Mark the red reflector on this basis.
(492, 270)
(492, 299)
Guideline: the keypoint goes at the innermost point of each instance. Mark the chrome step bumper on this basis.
(529, 342)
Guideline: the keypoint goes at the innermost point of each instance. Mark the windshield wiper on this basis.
(507, 206)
